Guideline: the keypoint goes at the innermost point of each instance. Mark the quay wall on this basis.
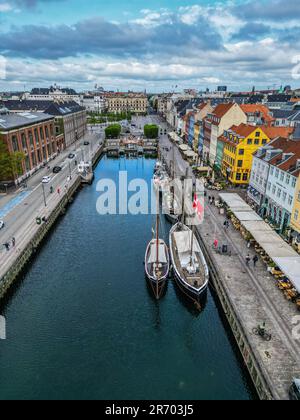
(37, 233)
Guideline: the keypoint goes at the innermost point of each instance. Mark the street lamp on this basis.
(70, 170)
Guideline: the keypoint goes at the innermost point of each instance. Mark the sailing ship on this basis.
(189, 265)
(157, 261)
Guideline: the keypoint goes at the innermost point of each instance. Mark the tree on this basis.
(10, 163)
(151, 131)
(113, 131)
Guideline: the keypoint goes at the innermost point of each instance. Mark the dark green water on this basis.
(83, 325)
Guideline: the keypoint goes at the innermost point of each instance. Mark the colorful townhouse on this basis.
(240, 144)
(202, 111)
(295, 219)
(281, 186)
(260, 173)
(222, 118)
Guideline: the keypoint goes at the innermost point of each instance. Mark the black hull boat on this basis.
(157, 266)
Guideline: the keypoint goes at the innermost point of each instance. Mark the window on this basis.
(15, 144)
(238, 177)
(256, 142)
(257, 134)
(249, 142)
(30, 139)
(279, 193)
(264, 142)
(282, 176)
(284, 196)
(24, 142)
(296, 215)
(269, 186)
(240, 164)
(294, 182)
(245, 177)
(288, 178)
(241, 152)
(291, 198)
(274, 190)
(272, 171)
(277, 173)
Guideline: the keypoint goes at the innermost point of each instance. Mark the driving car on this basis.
(86, 143)
(56, 169)
(46, 179)
(1, 224)
(71, 156)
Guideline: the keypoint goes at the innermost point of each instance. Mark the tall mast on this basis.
(157, 242)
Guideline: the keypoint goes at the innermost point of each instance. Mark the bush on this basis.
(151, 131)
(113, 131)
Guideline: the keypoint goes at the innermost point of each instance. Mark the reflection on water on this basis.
(84, 325)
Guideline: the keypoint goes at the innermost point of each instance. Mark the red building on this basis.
(32, 134)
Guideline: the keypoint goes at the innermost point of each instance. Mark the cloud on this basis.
(268, 10)
(98, 36)
(192, 46)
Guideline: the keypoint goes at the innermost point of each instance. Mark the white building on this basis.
(260, 173)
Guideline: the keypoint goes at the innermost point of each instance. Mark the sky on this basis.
(161, 45)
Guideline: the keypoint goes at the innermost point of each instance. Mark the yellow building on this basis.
(295, 220)
(240, 142)
(137, 103)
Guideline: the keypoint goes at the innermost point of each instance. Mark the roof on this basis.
(288, 163)
(222, 110)
(283, 113)
(28, 105)
(296, 134)
(273, 132)
(243, 130)
(257, 108)
(14, 121)
(65, 108)
(278, 250)
(279, 98)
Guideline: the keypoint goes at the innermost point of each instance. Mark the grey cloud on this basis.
(97, 36)
(269, 10)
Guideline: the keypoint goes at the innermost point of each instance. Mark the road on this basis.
(22, 215)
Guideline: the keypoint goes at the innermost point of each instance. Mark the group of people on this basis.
(255, 260)
(10, 244)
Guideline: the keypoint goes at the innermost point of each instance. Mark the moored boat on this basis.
(189, 264)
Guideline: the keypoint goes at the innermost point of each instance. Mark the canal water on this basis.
(82, 323)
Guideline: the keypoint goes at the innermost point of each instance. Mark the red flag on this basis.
(198, 206)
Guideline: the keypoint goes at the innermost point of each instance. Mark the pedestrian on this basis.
(249, 244)
(13, 241)
(248, 259)
(6, 245)
(58, 191)
(255, 260)
(216, 243)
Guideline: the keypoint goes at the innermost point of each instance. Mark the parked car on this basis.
(295, 390)
(86, 143)
(71, 156)
(1, 224)
(56, 169)
(46, 179)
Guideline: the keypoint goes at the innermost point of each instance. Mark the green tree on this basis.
(113, 131)
(151, 131)
(10, 163)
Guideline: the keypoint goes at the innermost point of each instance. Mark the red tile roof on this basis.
(288, 165)
(222, 110)
(254, 108)
(273, 132)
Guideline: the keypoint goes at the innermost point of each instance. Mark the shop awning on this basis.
(283, 255)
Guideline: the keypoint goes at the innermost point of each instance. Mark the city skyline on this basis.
(179, 43)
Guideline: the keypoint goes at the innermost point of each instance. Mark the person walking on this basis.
(13, 241)
(255, 260)
(248, 259)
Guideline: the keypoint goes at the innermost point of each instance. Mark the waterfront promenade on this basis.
(21, 221)
(250, 297)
